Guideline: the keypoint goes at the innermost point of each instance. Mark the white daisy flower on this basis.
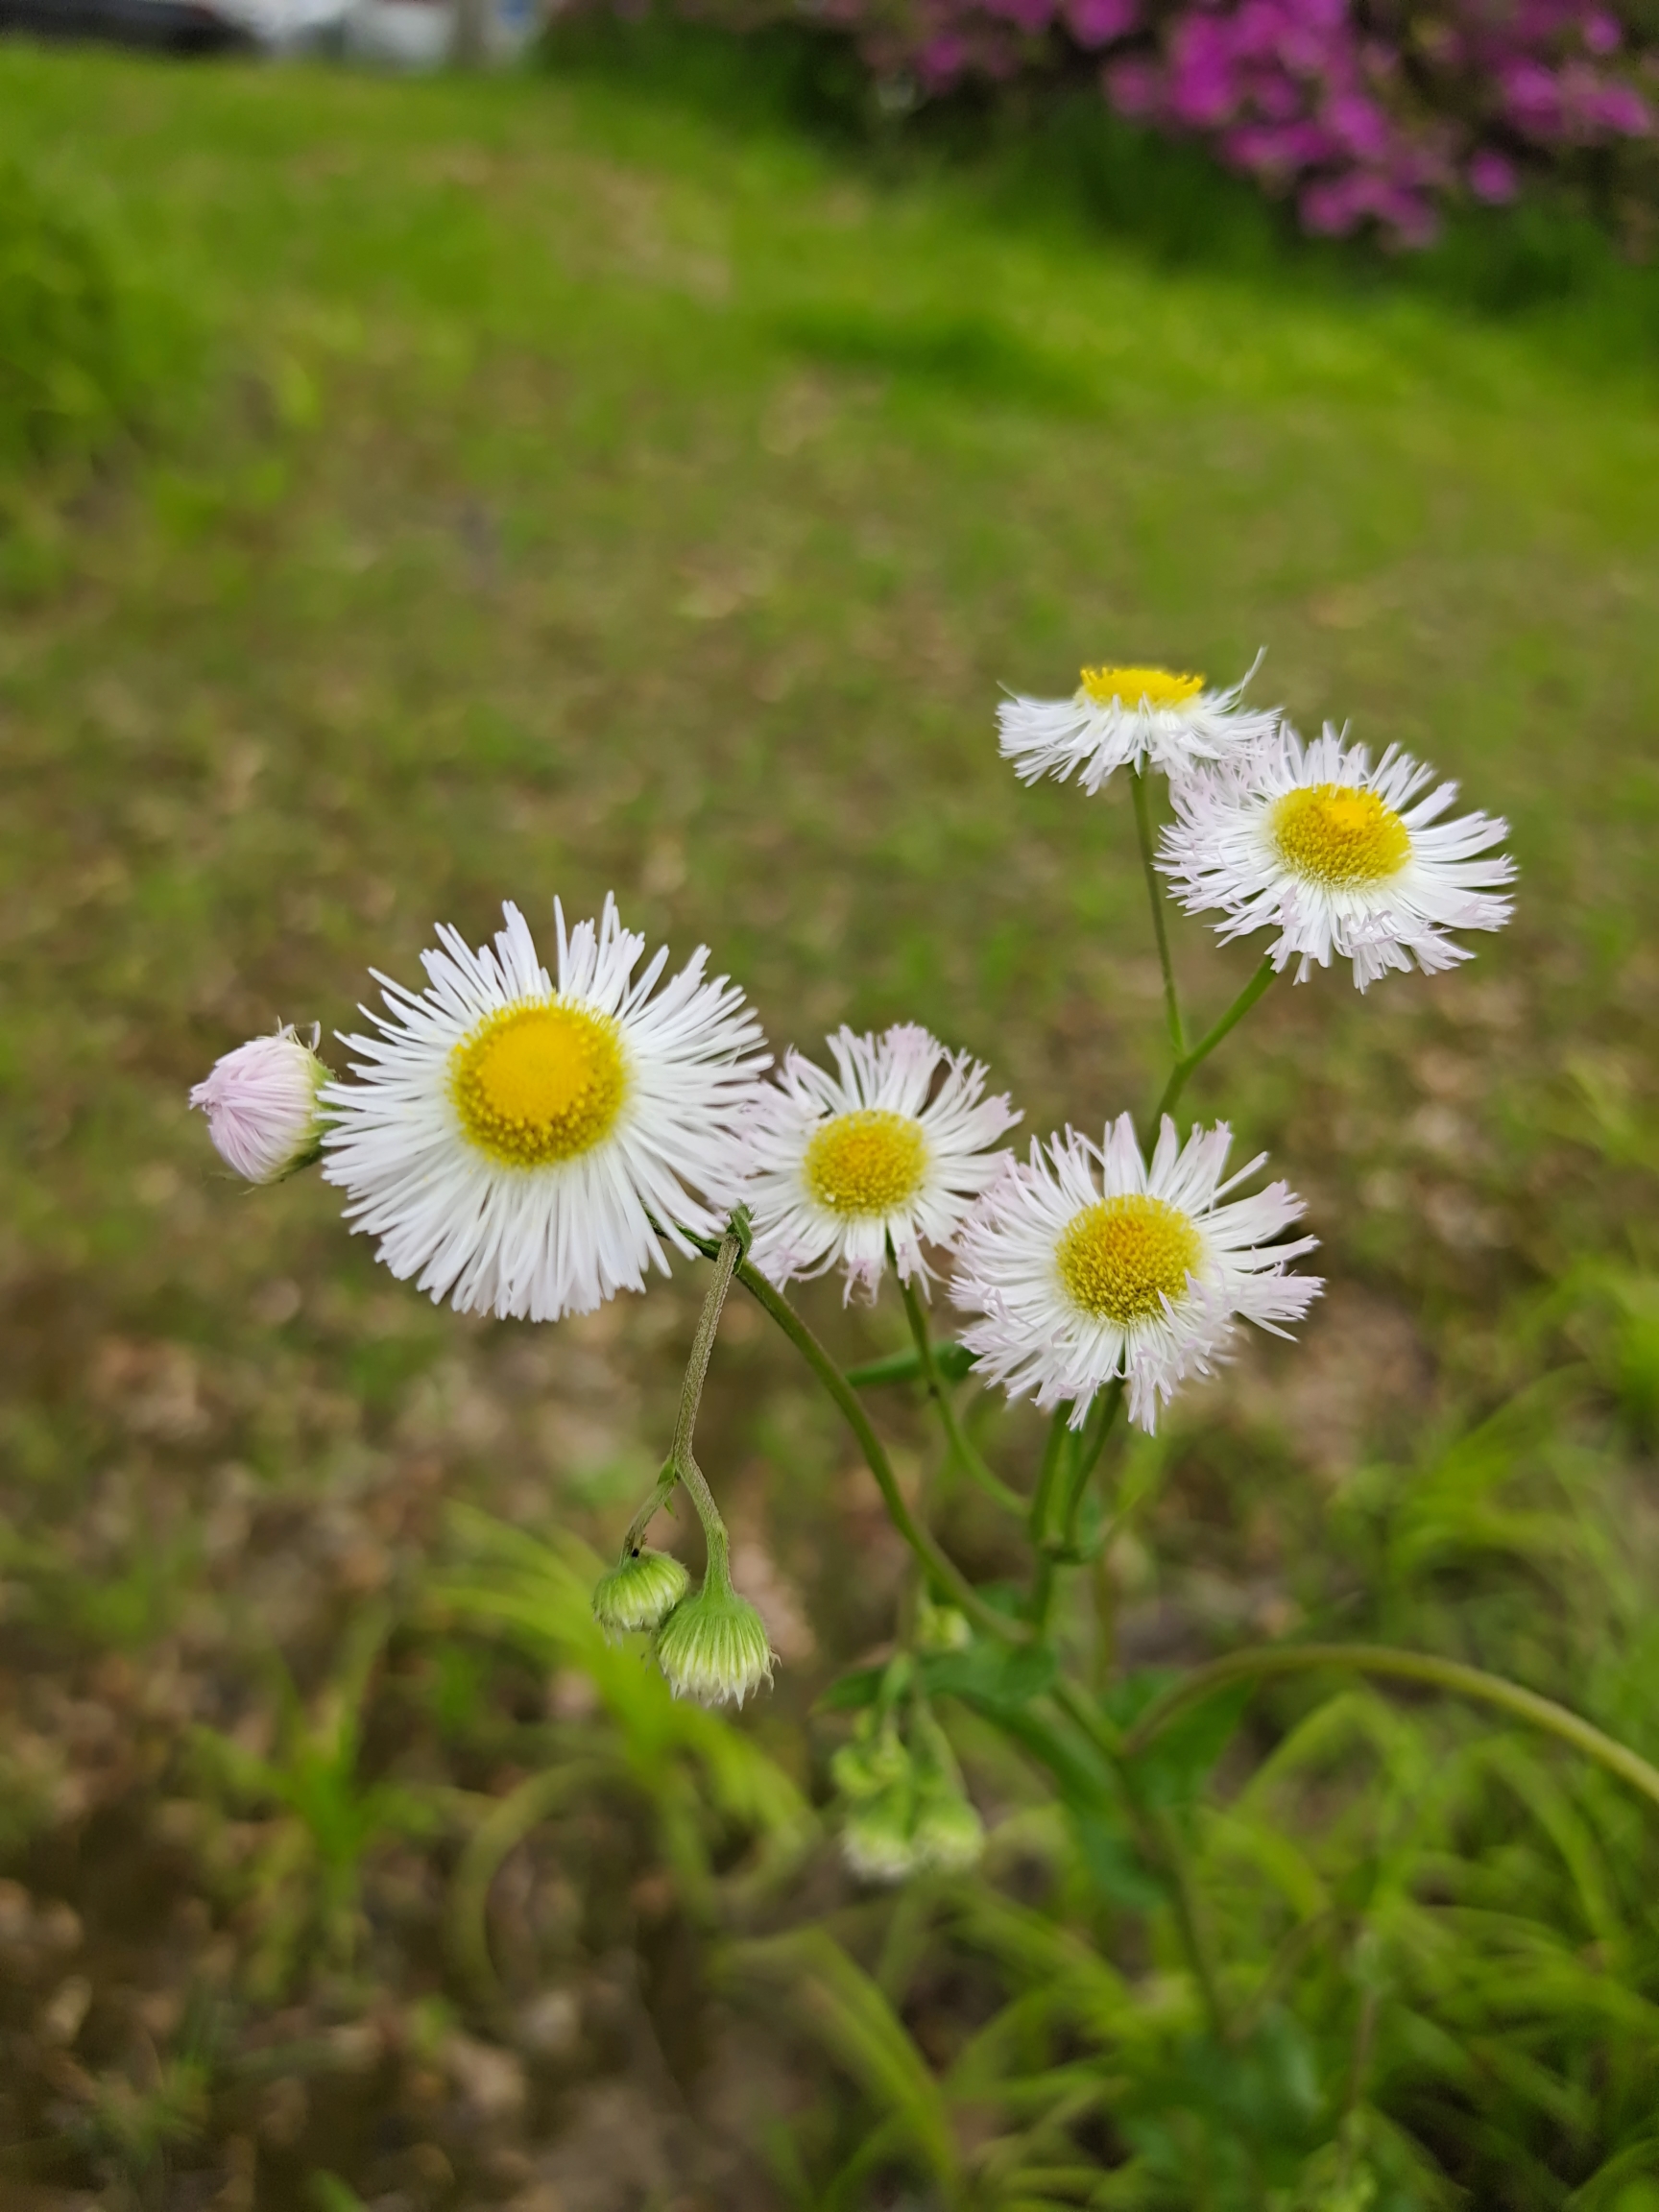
(895, 1144)
(1131, 718)
(1138, 1274)
(1336, 856)
(515, 1145)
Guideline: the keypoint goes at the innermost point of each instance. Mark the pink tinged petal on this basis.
(261, 1102)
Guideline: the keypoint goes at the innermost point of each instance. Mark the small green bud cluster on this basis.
(906, 1808)
(712, 1645)
(640, 1592)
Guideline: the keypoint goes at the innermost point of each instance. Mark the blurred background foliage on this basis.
(412, 496)
(1371, 120)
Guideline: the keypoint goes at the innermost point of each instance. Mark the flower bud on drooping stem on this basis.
(940, 1628)
(876, 1839)
(713, 1646)
(261, 1105)
(949, 1832)
(907, 1812)
(640, 1592)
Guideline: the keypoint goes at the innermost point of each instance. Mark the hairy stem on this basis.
(1060, 1449)
(683, 1461)
(1085, 1456)
(1081, 1710)
(1187, 1062)
(1262, 1661)
(944, 1571)
(1155, 898)
(664, 1490)
(961, 1450)
(725, 1259)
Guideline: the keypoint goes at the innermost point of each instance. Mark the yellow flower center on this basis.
(1336, 835)
(539, 1082)
(1121, 1257)
(1131, 687)
(866, 1163)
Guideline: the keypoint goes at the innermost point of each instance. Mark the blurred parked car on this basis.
(393, 33)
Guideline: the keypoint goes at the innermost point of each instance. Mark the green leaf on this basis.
(997, 1678)
(853, 1692)
(1175, 1765)
(951, 1362)
(893, 1367)
(1111, 1863)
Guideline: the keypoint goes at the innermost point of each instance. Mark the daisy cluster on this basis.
(1340, 857)
(527, 1138)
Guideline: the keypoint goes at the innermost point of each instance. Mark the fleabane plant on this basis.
(527, 1140)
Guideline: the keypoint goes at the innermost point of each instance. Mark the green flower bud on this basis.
(940, 1628)
(713, 1647)
(640, 1592)
(948, 1835)
(871, 1762)
(944, 1832)
(876, 1839)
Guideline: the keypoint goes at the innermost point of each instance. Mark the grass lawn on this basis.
(571, 490)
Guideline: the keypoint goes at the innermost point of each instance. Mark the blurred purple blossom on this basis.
(1369, 114)
(1492, 177)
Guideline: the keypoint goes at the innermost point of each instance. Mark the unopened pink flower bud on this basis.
(261, 1105)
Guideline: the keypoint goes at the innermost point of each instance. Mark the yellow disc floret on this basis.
(539, 1082)
(1121, 1257)
(866, 1163)
(1339, 837)
(1135, 687)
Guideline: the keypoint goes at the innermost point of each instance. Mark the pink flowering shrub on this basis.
(1366, 112)
(1377, 114)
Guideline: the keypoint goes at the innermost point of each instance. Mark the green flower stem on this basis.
(666, 1483)
(1085, 1456)
(683, 1461)
(1262, 1661)
(1162, 1844)
(1105, 1596)
(1162, 1840)
(725, 1259)
(1188, 1061)
(962, 1451)
(944, 1571)
(1057, 1453)
(1053, 1451)
(1081, 1710)
(1068, 1462)
(1155, 897)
